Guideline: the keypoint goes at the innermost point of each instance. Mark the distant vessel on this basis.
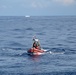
(27, 16)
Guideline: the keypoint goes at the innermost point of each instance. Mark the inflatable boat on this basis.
(34, 51)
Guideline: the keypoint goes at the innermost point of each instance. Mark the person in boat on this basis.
(36, 44)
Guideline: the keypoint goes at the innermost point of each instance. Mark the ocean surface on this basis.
(57, 35)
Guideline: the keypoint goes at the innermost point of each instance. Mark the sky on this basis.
(37, 7)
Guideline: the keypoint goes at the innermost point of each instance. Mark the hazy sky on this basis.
(37, 7)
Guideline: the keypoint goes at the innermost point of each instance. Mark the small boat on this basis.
(27, 16)
(34, 51)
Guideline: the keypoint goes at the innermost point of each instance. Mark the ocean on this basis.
(57, 35)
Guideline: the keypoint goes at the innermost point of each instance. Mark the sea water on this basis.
(57, 35)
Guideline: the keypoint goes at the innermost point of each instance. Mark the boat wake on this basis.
(52, 52)
(23, 52)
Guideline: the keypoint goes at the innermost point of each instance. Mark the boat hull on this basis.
(34, 51)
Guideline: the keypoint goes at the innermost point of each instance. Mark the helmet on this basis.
(36, 40)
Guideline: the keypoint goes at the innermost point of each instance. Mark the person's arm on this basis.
(39, 45)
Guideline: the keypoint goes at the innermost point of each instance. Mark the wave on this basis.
(46, 73)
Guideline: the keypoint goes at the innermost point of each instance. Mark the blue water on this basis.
(56, 34)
